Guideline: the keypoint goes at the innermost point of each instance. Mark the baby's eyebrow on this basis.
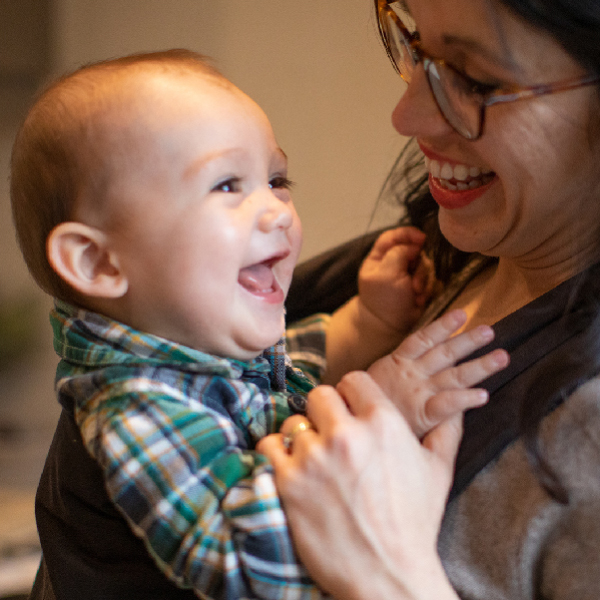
(283, 154)
(196, 165)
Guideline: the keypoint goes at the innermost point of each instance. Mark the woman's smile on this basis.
(460, 177)
(456, 185)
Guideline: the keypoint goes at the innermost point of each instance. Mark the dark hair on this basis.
(575, 24)
(50, 166)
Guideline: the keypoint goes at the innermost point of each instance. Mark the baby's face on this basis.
(204, 225)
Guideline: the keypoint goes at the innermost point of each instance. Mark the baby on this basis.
(152, 201)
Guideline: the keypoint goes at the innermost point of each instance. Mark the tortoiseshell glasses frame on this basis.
(461, 100)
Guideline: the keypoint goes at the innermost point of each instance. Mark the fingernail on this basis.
(459, 316)
(485, 332)
(482, 397)
(501, 357)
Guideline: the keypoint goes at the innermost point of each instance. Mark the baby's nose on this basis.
(277, 213)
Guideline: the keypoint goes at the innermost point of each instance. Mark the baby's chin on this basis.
(278, 334)
(271, 340)
(244, 351)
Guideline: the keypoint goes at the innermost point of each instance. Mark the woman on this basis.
(503, 101)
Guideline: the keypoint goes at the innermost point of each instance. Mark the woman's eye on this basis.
(230, 186)
(475, 87)
(280, 183)
(482, 89)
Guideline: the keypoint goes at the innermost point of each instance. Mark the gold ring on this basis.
(289, 438)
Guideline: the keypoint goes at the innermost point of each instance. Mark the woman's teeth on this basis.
(459, 177)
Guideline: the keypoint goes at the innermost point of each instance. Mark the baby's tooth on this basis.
(474, 171)
(434, 168)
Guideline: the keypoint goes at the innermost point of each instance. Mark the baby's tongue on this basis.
(256, 278)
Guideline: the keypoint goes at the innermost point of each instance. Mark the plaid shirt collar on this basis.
(93, 340)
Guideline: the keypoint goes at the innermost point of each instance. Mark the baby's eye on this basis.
(280, 182)
(230, 186)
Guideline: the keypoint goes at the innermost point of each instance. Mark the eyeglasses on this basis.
(461, 100)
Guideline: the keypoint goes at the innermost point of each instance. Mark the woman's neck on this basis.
(508, 285)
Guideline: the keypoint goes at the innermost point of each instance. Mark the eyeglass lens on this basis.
(449, 90)
(453, 99)
(402, 52)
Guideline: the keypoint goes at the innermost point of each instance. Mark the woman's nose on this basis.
(417, 113)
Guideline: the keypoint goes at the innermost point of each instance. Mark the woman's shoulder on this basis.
(569, 565)
(570, 438)
(504, 536)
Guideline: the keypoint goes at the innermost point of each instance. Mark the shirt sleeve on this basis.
(186, 478)
(305, 341)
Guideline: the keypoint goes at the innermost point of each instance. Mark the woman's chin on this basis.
(463, 237)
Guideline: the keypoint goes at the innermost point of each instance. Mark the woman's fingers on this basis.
(365, 491)
(362, 394)
(291, 423)
(272, 447)
(326, 408)
(443, 442)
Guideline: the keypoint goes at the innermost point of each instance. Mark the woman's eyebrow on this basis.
(502, 59)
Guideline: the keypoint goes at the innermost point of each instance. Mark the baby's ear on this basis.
(82, 257)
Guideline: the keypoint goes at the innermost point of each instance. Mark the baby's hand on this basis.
(421, 378)
(396, 279)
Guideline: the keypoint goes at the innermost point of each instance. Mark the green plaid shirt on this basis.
(174, 432)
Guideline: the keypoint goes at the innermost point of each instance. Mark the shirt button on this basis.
(297, 403)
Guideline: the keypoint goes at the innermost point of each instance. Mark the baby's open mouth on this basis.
(259, 278)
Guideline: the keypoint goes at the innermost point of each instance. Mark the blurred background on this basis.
(321, 75)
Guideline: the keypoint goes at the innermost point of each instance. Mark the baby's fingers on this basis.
(472, 372)
(393, 237)
(431, 337)
(449, 403)
(424, 277)
(447, 353)
(456, 394)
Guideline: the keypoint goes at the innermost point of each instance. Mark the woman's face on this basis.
(539, 198)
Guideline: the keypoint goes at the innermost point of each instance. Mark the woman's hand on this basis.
(363, 496)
